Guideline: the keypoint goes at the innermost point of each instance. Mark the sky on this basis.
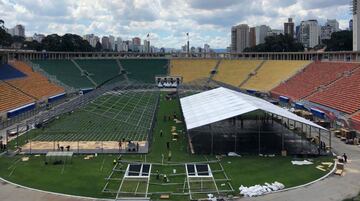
(167, 21)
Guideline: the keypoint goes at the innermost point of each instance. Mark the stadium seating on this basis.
(355, 121)
(192, 69)
(234, 72)
(66, 72)
(342, 95)
(272, 73)
(311, 78)
(12, 98)
(144, 70)
(8, 72)
(101, 70)
(34, 84)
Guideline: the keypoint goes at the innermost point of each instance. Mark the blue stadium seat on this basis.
(8, 72)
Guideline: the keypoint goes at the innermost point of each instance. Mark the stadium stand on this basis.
(144, 70)
(355, 121)
(234, 72)
(311, 78)
(192, 69)
(342, 95)
(34, 84)
(8, 72)
(12, 98)
(66, 72)
(100, 70)
(272, 73)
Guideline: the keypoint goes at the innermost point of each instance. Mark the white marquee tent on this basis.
(221, 103)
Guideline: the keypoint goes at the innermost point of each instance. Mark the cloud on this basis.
(208, 21)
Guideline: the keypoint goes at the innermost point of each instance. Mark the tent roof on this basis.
(222, 103)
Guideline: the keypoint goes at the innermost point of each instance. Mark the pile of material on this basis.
(258, 190)
(304, 162)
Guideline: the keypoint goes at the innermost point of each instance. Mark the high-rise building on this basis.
(333, 23)
(112, 42)
(136, 41)
(206, 48)
(356, 25)
(252, 37)
(239, 37)
(18, 30)
(147, 48)
(297, 32)
(105, 42)
(289, 27)
(330, 27)
(309, 33)
(119, 45)
(261, 33)
(92, 39)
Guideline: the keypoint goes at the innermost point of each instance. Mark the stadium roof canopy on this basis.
(221, 103)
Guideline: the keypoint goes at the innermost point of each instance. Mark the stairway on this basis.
(215, 70)
(18, 89)
(249, 77)
(83, 72)
(121, 68)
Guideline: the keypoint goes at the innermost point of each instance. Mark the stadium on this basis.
(149, 126)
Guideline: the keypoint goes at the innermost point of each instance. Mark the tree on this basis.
(52, 42)
(5, 38)
(278, 43)
(33, 45)
(339, 41)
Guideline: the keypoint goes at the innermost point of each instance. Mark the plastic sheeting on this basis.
(258, 190)
(304, 162)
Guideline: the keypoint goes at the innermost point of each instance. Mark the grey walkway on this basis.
(10, 192)
(333, 188)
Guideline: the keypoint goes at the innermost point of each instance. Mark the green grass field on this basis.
(87, 177)
(110, 117)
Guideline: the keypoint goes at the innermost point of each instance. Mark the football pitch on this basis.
(115, 116)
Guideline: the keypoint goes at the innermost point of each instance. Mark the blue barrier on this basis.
(19, 110)
(56, 97)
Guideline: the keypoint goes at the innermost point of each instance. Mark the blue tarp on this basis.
(284, 99)
(318, 113)
(8, 72)
(22, 109)
(300, 106)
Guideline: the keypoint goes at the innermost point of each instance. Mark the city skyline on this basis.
(208, 22)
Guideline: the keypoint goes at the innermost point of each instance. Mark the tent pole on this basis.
(330, 141)
(319, 141)
(282, 134)
(259, 134)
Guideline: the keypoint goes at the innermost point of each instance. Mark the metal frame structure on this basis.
(299, 133)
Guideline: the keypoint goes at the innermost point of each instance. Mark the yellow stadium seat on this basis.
(192, 69)
(272, 73)
(234, 72)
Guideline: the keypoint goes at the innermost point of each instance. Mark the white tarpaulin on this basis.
(222, 103)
